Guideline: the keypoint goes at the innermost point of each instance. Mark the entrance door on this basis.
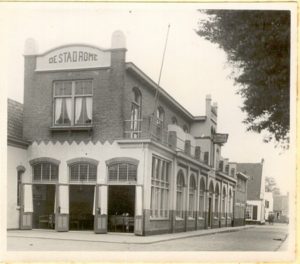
(209, 212)
(121, 204)
(43, 206)
(81, 207)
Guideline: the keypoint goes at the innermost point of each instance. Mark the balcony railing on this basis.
(152, 128)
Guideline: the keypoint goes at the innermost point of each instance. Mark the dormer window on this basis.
(73, 103)
(185, 129)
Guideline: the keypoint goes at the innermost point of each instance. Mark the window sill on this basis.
(71, 128)
(216, 218)
(200, 218)
(18, 207)
(159, 218)
(178, 218)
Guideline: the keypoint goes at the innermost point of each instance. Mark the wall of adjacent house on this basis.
(15, 157)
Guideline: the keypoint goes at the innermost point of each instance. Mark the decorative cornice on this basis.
(122, 160)
(82, 159)
(44, 159)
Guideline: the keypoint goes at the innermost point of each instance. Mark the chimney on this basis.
(208, 105)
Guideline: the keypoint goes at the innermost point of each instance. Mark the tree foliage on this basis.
(257, 42)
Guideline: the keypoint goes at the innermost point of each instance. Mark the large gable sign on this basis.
(73, 57)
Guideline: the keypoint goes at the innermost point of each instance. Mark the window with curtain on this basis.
(159, 188)
(45, 171)
(83, 172)
(201, 198)
(192, 196)
(135, 119)
(179, 194)
(73, 103)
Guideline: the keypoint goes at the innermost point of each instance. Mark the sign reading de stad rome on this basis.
(73, 57)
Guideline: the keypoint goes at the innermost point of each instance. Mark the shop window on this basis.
(135, 118)
(122, 172)
(73, 103)
(83, 172)
(192, 196)
(45, 171)
(159, 188)
(180, 194)
(249, 211)
(201, 198)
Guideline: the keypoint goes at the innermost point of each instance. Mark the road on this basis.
(258, 238)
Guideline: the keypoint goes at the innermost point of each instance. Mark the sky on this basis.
(193, 67)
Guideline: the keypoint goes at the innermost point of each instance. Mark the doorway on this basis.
(121, 208)
(43, 206)
(81, 207)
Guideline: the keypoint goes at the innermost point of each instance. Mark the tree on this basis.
(271, 186)
(257, 44)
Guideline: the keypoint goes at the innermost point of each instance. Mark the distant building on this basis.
(281, 208)
(268, 204)
(255, 210)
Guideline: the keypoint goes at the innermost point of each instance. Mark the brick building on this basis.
(102, 157)
(255, 209)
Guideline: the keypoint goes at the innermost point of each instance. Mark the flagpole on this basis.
(160, 72)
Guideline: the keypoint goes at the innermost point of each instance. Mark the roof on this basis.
(15, 124)
(132, 68)
(14, 119)
(254, 173)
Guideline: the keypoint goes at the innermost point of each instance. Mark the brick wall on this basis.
(148, 95)
(107, 101)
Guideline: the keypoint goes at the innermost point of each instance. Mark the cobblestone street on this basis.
(257, 238)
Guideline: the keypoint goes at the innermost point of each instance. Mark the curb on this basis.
(216, 231)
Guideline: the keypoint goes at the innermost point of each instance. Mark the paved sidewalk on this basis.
(123, 238)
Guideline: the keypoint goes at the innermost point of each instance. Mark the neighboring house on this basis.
(104, 155)
(16, 161)
(268, 204)
(255, 210)
(240, 199)
(281, 208)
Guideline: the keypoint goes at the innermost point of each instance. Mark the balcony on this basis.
(172, 136)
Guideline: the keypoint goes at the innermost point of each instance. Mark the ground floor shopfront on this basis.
(126, 186)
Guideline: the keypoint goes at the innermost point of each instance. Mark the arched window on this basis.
(192, 196)
(136, 113)
(217, 196)
(224, 202)
(160, 118)
(185, 129)
(122, 172)
(201, 198)
(179, 194)
(20, 170)
(212, 148)
(174, 120)
(229, 210)
(45, 170)
(83, 172)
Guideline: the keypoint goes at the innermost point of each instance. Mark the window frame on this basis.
(118, 164)
(180, 190)
(160, 188)
(135, 121)
(193, 197)
(42, 164)
(82, 163)
(73, 97)
(201, 207)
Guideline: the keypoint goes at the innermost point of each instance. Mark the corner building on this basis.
(101, 158)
